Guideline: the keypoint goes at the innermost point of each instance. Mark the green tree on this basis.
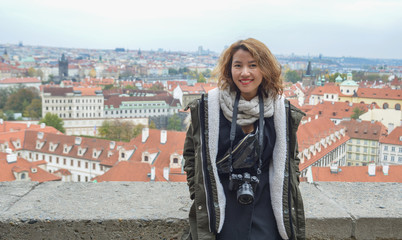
(292, 76)
(152, 125)
(118, 130)
(34, 110)
(132, 87)
(157, 87)
(107, 87)
(201, 78)
(19, 100)
(137, 130)
(173, 71)
(357, 112)
(174, 123)
(31, 72)
(53, 120)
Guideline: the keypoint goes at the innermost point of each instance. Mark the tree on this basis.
(152, 125)
(357, 112)
(118, 130)
(174, 123)
(137, 130)
(20, 99)
(92, 73)
(107, 87)
(292, 76)
(34, 110)
(31, 72)
(201, 78)
(54, 121)
(173, 71)
(157, 87)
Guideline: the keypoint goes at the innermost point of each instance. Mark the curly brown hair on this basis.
(271, 85)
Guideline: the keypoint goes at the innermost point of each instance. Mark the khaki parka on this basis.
(207, 212)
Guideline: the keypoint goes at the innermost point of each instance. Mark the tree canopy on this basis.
(120, 130)
(292, 76)
(53, 120)
(174, 123)
(357, 112)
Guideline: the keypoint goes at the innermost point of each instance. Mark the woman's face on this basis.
(246, 74)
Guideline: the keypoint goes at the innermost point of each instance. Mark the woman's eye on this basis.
(236, 65)
(253, 65)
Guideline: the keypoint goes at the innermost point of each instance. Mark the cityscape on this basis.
(94, 115)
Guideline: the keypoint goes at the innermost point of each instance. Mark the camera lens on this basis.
(245, 194)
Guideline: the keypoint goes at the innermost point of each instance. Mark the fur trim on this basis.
(277, 165)
(213, 128)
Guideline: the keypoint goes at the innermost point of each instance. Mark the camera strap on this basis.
(260, 131)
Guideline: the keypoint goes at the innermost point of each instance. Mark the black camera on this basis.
(244, 184)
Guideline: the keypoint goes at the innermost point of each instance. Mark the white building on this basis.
(73, 103)
(76, 159)
(140, 107)
(391, 148)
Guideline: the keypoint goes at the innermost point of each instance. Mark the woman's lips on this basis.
(245, 81)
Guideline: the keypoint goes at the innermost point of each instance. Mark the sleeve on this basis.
(297, 161)
(189, 158)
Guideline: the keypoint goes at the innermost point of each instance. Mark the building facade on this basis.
(73, 103)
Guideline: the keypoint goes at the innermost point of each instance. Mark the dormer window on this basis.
(146, 158)
(175, 160)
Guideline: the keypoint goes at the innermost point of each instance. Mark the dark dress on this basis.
(255, 221)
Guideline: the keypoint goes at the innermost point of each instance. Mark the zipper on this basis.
(208, 191)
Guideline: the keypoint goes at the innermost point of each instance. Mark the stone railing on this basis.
(157, 210)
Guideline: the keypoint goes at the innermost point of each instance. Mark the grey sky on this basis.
(366, 28)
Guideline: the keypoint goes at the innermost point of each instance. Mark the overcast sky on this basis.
(359, 28)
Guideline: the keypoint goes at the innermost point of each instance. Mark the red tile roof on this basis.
(87, 91)
(19, 80)
(331, 89)
(136, 170)
(385, 93)
(357, 174)
(7, 169)
(395, 137)
(364, 129)
(335, 110)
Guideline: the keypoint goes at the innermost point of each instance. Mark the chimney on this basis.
(42, 125)
(371, 169)
(1, 121)
(12, 158)
(112, 144)
(28, 124)
(390, 127)
(78, 140)
(145, 134)
(385, 169)
(166, 171)
(163, 136)
(152, 173)
(40, 135)
(350, 104)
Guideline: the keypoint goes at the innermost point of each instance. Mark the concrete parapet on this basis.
(159, 210)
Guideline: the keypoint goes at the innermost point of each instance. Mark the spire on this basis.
(308, 72)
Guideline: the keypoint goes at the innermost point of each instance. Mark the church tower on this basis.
(308, 78)
(63, 68)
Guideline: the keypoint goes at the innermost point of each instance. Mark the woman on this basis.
(243, 174)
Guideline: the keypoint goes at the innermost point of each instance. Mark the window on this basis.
(146, 159)
(57, 160)
(86, 179)
(365, 149)
(357, 149)
(72, 162)
(86, 164)
(175, 160)
(50, 159)
(373, 150)
(392, 158)
(357, 156)
(365, 142)
(400, 149)
(93, 166)
(79, 178)
(64, 161)
(385, 157)
(350, 148)
(79, 163)
(358, 141)
(385, 148)
(392, 149)
(400, 159)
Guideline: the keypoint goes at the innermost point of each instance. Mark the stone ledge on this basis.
(159, 210)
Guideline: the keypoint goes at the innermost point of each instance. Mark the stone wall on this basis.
(158, 210)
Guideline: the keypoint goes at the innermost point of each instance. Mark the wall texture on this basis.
(157, 210)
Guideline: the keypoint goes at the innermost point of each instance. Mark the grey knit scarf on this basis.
(248, 111)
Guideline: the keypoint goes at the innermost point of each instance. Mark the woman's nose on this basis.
(245, 71)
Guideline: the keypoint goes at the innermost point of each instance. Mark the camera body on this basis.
(245, 184)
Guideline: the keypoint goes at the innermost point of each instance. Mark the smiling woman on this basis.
(241, 152)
